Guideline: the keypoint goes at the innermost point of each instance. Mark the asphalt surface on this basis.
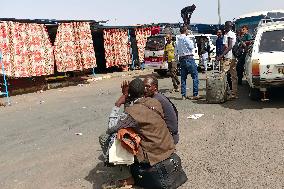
(238, 144)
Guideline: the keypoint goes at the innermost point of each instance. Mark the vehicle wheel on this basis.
(162, 73)
(254, 94)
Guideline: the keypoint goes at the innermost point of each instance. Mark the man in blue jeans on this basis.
(184, 50)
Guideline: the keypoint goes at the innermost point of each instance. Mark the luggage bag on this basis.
(216, 86)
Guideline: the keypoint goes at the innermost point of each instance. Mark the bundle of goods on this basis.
(141, 36)
(26, 49)
(117, 47)
(74, 49)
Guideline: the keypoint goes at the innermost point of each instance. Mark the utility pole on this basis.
(219, 12)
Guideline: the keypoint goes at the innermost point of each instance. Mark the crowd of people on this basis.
(231, 50)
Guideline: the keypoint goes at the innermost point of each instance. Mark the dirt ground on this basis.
(238, 144)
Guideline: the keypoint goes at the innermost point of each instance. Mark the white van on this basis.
(264, 66)
(154, 54)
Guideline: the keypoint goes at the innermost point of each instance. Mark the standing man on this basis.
(169, 109)
(219, 43)
(184, 48)
(219, 51)
(169, 56)
(229, 59)
(186, 13)
(204, 52)
(244, 42)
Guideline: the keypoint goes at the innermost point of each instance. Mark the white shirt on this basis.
(184, 45)
(231, 35)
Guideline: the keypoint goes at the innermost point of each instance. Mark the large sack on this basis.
(216, 88)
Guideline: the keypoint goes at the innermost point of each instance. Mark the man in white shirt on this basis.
(230, 62)
(184, 50)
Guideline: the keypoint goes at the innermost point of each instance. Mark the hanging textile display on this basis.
(86, 46)
(26, 48)
(117, 47)
(6, 47)
(141, 36)
(74, 48)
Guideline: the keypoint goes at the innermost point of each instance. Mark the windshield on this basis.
(213, 39)
(155, 43)
(272, 41)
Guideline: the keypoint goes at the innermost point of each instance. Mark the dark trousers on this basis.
(241, 68)
(229, 80)
(173, 72)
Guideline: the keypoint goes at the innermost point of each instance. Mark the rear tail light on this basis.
(255, 68)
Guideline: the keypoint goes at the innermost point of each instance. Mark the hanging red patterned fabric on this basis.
(65, 49)
(117, 47)
(33, 52)
(5, 44)
(27, 50)
(74, 48)
(141, 37)
(109, 47)
(84, 43)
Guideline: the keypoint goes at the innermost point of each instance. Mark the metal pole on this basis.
(5, 81)
(94, 74)
(219, 12)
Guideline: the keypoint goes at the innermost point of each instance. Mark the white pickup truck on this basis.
(264, 66)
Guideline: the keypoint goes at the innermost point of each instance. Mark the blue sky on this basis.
(129, 12)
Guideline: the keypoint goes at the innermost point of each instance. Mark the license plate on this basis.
(155, 59)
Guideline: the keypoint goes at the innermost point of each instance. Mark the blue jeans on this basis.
(188, 66)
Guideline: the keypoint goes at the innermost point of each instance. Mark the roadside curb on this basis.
(82, 80)
(100, 77)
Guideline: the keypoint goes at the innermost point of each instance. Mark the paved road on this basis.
(239, 144)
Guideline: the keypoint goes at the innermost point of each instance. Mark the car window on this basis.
(213, 39)
(193, 39)
(155, 43)
(272, 41)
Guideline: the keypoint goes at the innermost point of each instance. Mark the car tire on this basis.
(254, 94)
